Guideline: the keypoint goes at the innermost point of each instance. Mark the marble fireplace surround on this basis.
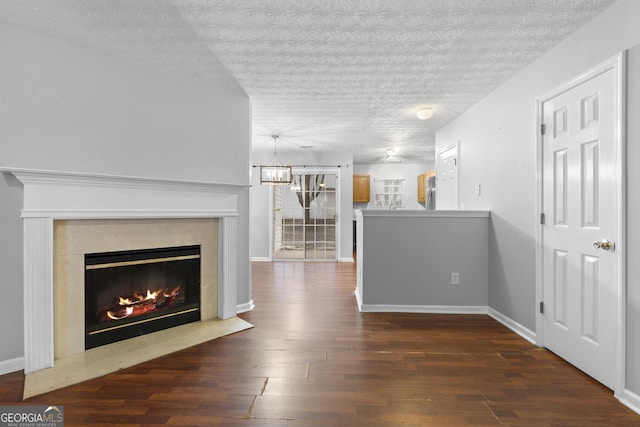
(51, 196)
(75, 238)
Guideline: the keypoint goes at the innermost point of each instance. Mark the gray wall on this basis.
(633, 226)
(498, 143)
(408, 261)
(260, 198)
(68, 108)
(11, 331)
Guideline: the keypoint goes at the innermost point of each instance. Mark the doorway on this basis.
(580, 256)
(305, 217)
(447, 178)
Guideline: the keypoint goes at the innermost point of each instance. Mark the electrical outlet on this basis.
(455, 278)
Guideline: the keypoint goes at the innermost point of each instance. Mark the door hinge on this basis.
(542, 218)
(543, 129)
(541, 307)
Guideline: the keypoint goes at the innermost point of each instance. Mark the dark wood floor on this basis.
(314, 360)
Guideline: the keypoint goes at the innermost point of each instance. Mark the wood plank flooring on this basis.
(314, 360)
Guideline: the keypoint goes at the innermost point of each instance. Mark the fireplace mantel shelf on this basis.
(75, 195)
(61, 177)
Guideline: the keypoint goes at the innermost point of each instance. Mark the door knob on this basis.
(603, 244)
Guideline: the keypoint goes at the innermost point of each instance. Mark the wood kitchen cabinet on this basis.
(361, 188)
(422, 185)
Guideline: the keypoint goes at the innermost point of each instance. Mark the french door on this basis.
(304, 217)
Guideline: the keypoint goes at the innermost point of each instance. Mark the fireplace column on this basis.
(228, 267)
(38, 294)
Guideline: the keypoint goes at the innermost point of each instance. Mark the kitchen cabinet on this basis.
(361, 188)
(422, 185)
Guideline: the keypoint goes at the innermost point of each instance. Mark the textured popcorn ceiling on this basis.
(334, 75)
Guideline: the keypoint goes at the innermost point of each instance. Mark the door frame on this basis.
(314, 170)
(616, 63)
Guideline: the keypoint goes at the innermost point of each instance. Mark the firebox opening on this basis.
(131, 293)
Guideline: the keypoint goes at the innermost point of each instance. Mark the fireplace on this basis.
(115, 213)
(135, 292)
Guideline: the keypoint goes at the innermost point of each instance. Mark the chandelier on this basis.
(275, 173)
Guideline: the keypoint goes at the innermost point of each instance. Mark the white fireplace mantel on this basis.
(53, 195)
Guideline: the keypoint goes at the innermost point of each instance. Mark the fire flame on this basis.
(144, 303)
(128, 312)
(175, 291)
(125, 301)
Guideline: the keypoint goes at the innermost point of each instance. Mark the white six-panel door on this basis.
(580, 203)
(447, 179)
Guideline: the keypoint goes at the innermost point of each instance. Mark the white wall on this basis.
(408, 172)
(261, 203)
(68, 108)
(498, 142)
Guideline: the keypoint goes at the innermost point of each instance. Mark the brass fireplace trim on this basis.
(140, 262)
(113, 328)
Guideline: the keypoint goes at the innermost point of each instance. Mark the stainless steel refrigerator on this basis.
(430, 194)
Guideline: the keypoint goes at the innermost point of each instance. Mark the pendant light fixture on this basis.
(275, 173)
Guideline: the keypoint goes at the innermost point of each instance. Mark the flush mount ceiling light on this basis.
(275, 173)
(425, 113)
(391, 156)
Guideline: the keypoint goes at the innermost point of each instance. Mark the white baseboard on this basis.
(11, 365)
(449, 309)
(243, 308)
(358, 298)
(630, 400)
(516, 327)
(435, 309)
(267, 259)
